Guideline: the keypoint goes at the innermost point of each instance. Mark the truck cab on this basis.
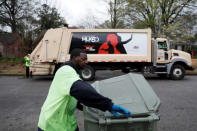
(171, 62)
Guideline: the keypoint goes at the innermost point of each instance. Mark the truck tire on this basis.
(177, 72)
(163, 75)
(57, 66)
(31, 74)
(87, 73)
(125, 70)
(146, 71)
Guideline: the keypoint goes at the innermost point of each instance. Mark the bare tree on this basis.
(158, 13)
(89, 22)
(117, 14)
(13, 14)
(48, 17)
(171, 9)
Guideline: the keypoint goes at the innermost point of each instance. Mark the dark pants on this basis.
(42, 130)
(39, 129)
(27, 72)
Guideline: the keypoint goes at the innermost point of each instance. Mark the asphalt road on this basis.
(21, 100)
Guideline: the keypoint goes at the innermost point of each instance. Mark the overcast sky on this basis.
(77, 11)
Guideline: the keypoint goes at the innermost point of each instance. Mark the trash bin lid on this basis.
(130, 91)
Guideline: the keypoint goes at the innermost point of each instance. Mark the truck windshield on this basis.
(162, 45)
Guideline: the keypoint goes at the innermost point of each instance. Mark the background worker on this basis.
(66, 93)
(27, 64)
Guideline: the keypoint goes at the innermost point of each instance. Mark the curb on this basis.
(12, 74)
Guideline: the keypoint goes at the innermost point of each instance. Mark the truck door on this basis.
(163, 53)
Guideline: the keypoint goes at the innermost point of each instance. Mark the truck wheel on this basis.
(87, 73)
(57, 66)
(177, 72)
(31, 74)
(163, 75)
(125, 70)
(146, 71)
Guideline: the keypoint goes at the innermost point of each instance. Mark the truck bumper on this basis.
(190, 68)
(42, 69)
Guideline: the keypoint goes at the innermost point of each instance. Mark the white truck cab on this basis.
(175, 62)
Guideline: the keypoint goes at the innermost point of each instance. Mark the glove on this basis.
(118, 109)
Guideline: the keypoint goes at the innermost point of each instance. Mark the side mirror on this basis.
(169, 44)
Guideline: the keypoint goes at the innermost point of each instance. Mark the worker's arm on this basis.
(79, 106)
(88, 96)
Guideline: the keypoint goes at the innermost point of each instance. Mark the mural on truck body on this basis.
(110, 43)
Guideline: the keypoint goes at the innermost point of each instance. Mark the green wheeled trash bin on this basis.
(132, 92)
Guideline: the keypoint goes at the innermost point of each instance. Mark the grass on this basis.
(12, 66)
(12, 61)
(13, 72)
(194, 63)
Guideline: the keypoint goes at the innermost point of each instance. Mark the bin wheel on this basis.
(177, 72)
(87, 73)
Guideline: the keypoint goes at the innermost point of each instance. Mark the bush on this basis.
(12, 64)
(195, 57)
(12, 61)
(3, 60)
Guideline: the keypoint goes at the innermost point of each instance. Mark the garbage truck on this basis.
(109, 49)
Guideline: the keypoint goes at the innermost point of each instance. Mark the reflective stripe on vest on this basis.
(57, 113)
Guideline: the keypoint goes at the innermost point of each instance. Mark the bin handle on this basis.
(109, 121)
(91, 114)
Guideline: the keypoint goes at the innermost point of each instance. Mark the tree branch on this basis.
(179, 10)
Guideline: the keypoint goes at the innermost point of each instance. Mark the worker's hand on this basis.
(116, 109)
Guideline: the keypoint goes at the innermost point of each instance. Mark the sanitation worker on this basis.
(66, 93)
(27, 64)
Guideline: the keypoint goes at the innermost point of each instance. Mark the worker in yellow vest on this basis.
(67, 92)
(27, 64)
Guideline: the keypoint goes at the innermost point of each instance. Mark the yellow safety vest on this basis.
(57, 113)
(27, 61)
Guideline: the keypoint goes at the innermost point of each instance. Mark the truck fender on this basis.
(170, 65)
